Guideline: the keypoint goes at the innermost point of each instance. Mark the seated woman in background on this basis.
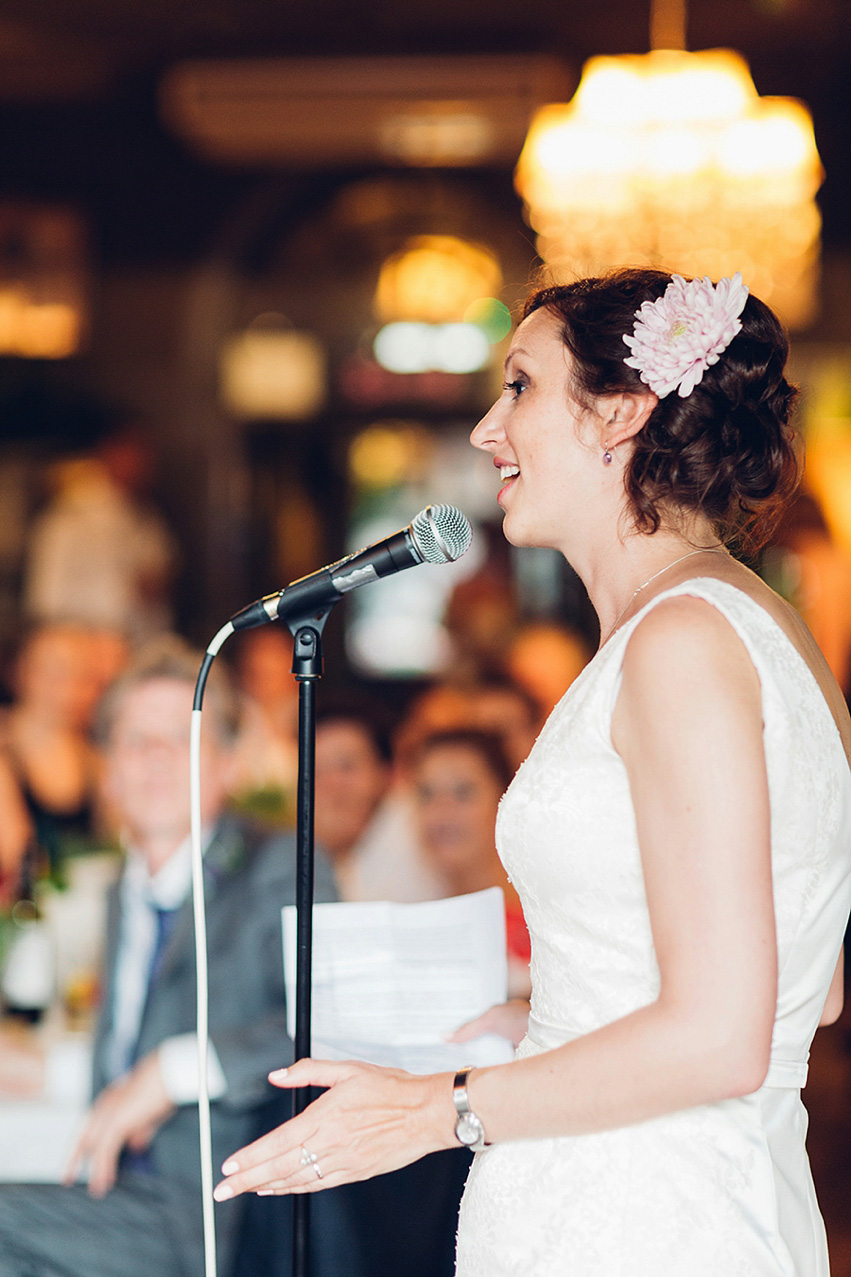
(44, 735)
(15, 834)
(266, 759)
(459, 777)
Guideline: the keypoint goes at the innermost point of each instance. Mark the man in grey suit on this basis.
(138, 1211)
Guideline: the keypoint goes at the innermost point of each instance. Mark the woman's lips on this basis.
(508, 474)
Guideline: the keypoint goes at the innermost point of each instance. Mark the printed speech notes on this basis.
(391, 981)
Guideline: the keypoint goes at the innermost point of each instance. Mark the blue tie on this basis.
(165, 920)
(142, 1163)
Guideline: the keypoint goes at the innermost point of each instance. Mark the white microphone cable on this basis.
(202, 1016)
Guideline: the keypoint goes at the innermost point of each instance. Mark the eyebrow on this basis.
(517, 350)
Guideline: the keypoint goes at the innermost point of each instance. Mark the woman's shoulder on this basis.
(683, 646)
(727, 623)
(732, 598)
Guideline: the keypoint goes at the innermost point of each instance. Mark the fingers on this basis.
(85, 1143)
(100, 1150)
(139, 1140)
(353, 1130)
(103, 1165)
(123, 1113)
(466, 1033)
(274, 1161)
(288, 1171)
(275, 1156)
(308, 1072)
(508, 1020)
(297, 1171)
(74, 1163)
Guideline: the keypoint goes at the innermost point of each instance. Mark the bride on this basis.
(680, 834)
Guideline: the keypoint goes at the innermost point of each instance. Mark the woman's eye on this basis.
(516, 386)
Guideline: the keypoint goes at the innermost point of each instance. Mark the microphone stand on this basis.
(307, 668)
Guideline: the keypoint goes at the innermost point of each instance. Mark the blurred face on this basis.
(503, 712)
(265, 667)
(350, 780)
(543, 445)
(57, 676)
(546, 661)
(147, 764)
(456, 798)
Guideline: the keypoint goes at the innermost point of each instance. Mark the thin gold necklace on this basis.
(644, 584)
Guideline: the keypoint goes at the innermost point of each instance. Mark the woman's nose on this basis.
(488, 432)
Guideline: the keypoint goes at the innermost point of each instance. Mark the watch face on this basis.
(469, 1129)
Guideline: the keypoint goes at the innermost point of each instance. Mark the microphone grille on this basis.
(441, 533)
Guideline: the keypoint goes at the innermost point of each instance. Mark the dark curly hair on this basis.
(727, 451)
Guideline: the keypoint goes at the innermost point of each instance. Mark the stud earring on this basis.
(607, 456)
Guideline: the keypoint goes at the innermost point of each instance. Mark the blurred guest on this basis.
(139, 1211)
(44, 735)
(99, 553)
(482, 609)
(266, 766)
(110, 652)
(501, 706)
(545, 658)
(366, 829)
(439, 707)
(494, 703)
(16, 832)
(459, 777)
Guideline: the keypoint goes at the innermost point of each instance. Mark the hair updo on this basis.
(727, 451)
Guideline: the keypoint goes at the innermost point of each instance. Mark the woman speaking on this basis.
(680, 835)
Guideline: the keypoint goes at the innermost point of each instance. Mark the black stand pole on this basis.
(307, 668)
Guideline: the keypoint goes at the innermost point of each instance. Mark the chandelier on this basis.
(672, 159)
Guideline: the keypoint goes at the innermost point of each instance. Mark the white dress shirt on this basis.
(141, 895)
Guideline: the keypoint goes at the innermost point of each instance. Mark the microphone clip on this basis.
(307, 649)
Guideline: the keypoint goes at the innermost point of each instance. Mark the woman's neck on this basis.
(621, 573)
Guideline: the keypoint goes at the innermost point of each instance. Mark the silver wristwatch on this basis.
(468, 1128)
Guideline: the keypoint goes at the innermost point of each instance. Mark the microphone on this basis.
(438, 534)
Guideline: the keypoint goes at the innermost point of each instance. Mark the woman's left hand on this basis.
(370, 1120)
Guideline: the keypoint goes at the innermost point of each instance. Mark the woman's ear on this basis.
(623, 415)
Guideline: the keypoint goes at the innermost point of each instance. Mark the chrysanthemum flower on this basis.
(677, 337)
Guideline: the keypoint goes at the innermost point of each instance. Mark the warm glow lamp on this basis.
(435, 278)
(672, 159)
(42, 281)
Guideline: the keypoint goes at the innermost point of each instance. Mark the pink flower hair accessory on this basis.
(677, 337)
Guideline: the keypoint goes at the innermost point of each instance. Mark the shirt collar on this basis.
(169, 886)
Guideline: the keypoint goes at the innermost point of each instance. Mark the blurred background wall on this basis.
(219, 204)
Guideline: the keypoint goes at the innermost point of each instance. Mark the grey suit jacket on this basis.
(249, 875)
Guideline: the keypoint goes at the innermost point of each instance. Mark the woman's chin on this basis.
(517, 534)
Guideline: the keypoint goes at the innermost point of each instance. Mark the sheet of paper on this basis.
(390, 981)
(37, 1138)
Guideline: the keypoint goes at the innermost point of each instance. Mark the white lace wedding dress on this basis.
(723, 1190)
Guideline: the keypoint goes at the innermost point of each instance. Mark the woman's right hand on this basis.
(507, 1019)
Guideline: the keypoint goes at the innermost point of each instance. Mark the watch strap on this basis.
(466, 1116)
